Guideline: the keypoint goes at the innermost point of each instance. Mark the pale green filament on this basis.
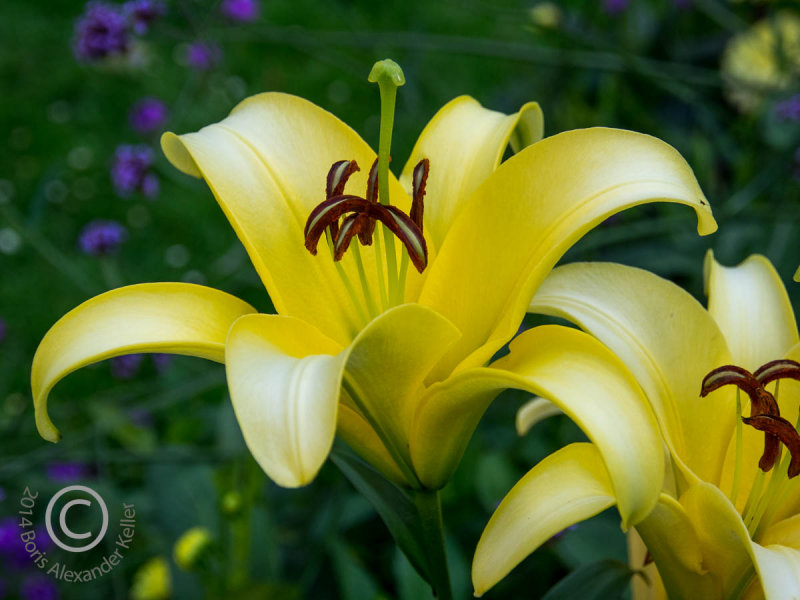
(737, 471)
(346, 281)
(371, 307)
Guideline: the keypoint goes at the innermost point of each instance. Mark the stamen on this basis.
(777, 369)
(420, 178)
(784, 431)
(338, 175)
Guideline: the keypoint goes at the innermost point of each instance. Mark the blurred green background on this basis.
(165, 436)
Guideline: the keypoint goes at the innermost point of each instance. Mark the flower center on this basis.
(342, 217)
(765, 416)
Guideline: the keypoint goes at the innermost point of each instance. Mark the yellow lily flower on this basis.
(392, 361)
(723, 527)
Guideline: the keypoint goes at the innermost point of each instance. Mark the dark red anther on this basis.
(780, 429)
(420, 178)
(777, 369)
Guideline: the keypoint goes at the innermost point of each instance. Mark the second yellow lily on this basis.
(727, 523)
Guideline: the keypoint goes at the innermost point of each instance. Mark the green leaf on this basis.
(599, 580)
(394, 506)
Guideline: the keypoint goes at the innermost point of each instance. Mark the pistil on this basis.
(389, 76)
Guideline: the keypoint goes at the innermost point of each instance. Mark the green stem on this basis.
(362, 275)
(429, 508)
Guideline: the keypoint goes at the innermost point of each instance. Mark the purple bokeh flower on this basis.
(38, 587)
(99, 237)
(202, 55)
(126, 366)
(2, 335)
(789, 110)
(2, 493)
(100, 32)
(11, 547)
(65, 472)
(241, 10)
(143, 13)
(130, 171)
(148, 114)
(161, 361)
(614, 7)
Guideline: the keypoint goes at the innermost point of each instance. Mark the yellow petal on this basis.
(267, 165)
(729, 552)
(285, 378)
(779, 570)
(464, 143)
(580, 376)
(673, 544)
(179, 318)
(284, 385)
(785, 533)
(387, 366)
(797, 274)
(534, 411)
(665, 338)
(523, 218)
(567, 487)
(354, 430)
(752, 308)
(724, 540)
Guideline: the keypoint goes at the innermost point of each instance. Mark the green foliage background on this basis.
(652, 68)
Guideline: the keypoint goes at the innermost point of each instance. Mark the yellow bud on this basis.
(762, 60)
(546, 14)
(190, 547)
(152, 581)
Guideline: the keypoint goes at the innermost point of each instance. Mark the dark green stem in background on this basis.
(429, 508)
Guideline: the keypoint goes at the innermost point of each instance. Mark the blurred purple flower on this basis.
(682, 4)
(148, 114)
(789, 110)
(9, 534)
(202, 55)
(563, 532)
(129, 172)
(161, 361)
(11, 547)
(241, 10)
(38, 587)
(614, 7)
(64, 472)
(2, 335)
(2, 494)
(3, 588)
(100, 237)
(100, 32)
(126, 366)
(143, 13)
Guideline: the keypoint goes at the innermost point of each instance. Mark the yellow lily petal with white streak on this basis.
(752, 308)
(284, 382)
(529, 212)
(285, 378)
(179, 318)
(464, 143)
(580, 376)
(666, 339)
(567, 487)
(266, 164)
